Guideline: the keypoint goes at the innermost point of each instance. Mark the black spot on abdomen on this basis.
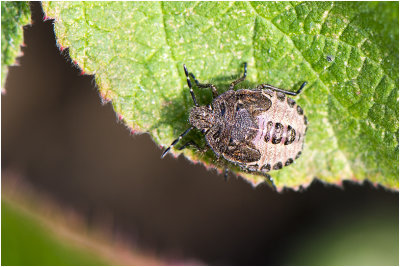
(266, 168)
(277, 135)
(288, 162)
(291, 102)
(290, 135)
(278, 166)
(268, 134)
(299, 110)
(280, 96)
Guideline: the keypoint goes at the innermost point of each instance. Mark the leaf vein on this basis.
(344, 43)
(326, 16)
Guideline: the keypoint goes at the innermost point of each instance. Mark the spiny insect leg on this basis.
(267, 86)
(241, 79)
(205, 85)
(190, 85)
(176, 141)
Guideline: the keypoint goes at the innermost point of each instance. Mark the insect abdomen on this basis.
(281, 131)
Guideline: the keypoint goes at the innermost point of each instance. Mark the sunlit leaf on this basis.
(347, 51)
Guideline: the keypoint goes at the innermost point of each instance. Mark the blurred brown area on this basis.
(56, 132)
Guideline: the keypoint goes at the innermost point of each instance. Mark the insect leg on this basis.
(192, 143)
(176, 141)
(190, 85)
(241, 79)
(301, 88)
(267, 86)
(205, 85)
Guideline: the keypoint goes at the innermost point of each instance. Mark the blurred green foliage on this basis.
(363, 237)
(25, 241)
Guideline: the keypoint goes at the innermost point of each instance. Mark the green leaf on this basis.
(347, 51)
(13, 16)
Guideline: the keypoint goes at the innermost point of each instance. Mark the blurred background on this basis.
(79, 189)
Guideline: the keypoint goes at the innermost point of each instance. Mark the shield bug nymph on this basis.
(259, 129)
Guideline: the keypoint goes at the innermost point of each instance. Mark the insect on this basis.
(259, 129)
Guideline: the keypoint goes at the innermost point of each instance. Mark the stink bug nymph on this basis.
(259, 129)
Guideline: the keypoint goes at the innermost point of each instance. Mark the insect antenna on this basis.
(176, 141)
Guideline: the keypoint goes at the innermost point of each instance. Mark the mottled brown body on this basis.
(259, 130)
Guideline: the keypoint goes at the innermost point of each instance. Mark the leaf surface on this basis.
(13, 16)
(346, 51)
